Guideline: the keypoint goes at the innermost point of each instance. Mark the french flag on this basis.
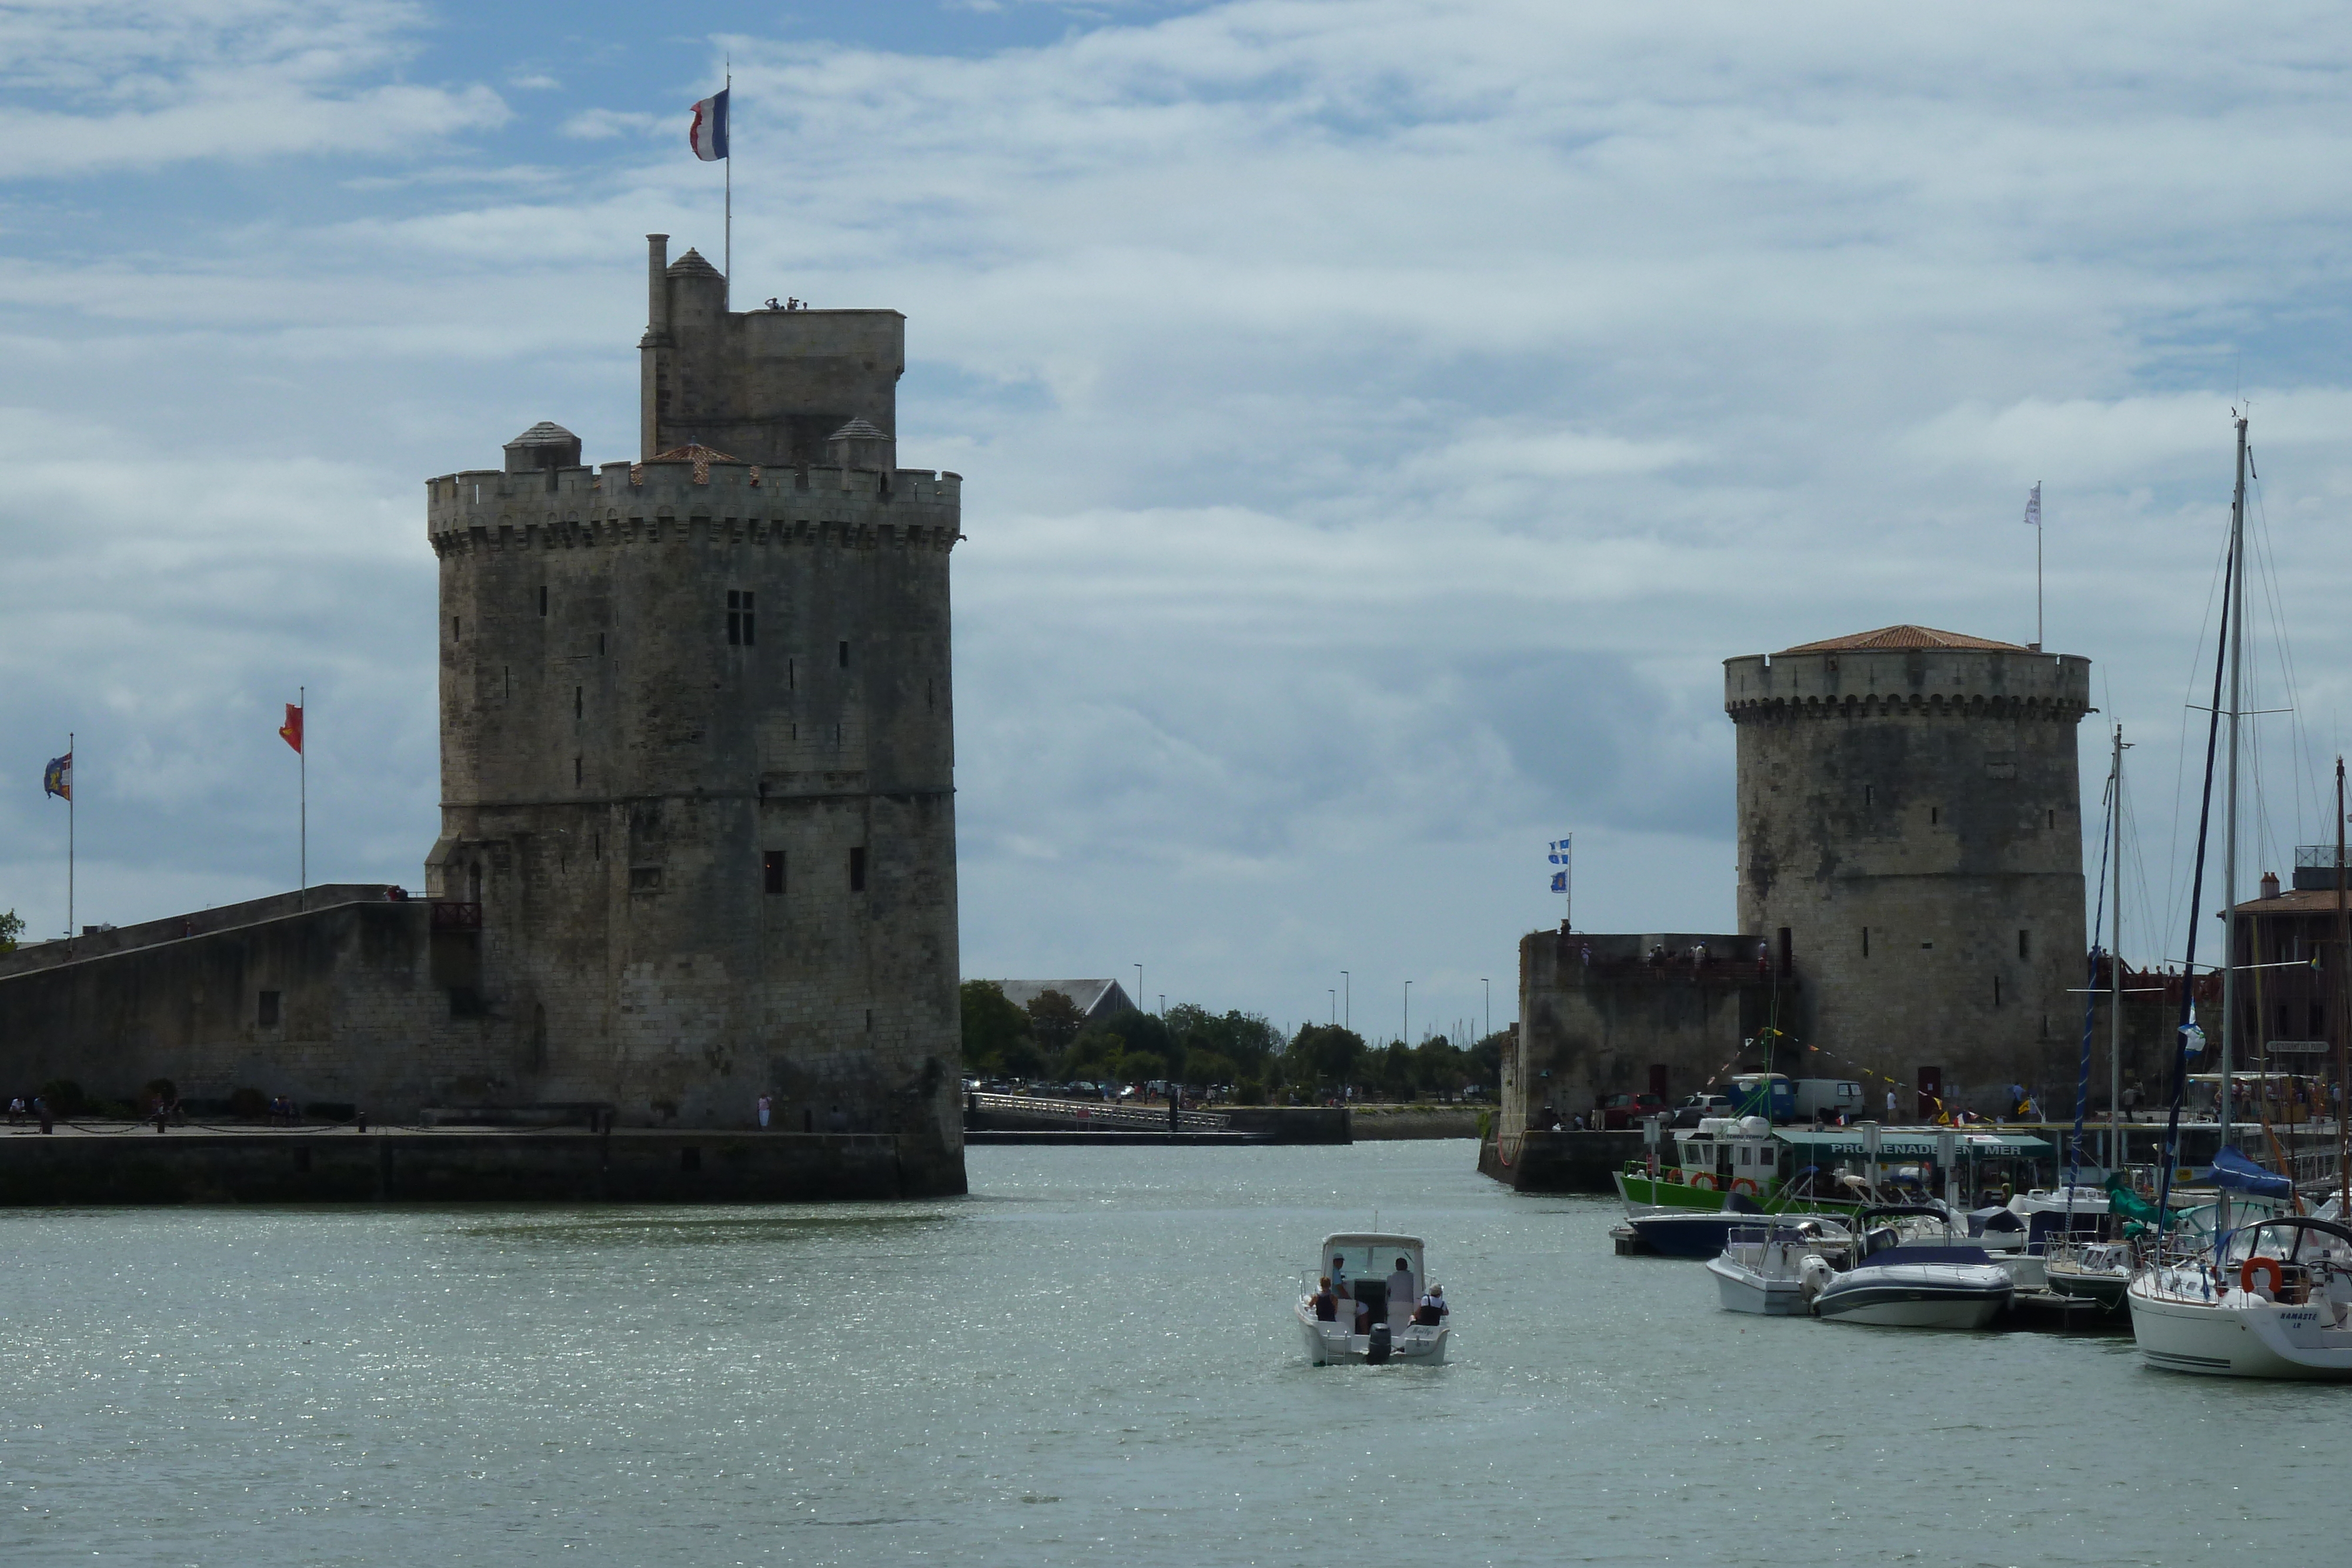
(708, 135)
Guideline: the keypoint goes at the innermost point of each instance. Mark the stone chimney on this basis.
(2270, 884)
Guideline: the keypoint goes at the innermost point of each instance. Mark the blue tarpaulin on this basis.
(2234, 1171)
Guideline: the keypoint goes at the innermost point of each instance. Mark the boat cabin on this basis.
(1370, 1257)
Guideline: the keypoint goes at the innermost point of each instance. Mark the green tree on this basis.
(1395, 1075)
(1483, 1063)
(1054, 1022)
(12, 930)
(1439, 1067)
(1324, 1055)
(992, 1026)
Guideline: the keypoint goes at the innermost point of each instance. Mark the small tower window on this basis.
(740, 628)
(542, 599)
(1869, 795)
(267, 1015)
(1996, 991)
(456, 630)
(2025, 944)
(1935, 815)
(1866, 941)
(845, 655)
(771, 871)
(575, 769)
(857, 869)
(791, 675)
(600, 644)
(579, 699)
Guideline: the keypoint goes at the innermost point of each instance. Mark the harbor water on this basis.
(1089, 1360)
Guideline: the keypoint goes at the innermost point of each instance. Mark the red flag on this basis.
(291, 732)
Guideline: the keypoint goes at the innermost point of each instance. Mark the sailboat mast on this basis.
(2236, 611)
(2344, 1014)
(2116, 1160)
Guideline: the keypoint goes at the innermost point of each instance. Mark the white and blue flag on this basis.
(708, 135)
(1559, 848)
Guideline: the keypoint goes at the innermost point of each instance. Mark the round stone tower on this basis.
(698, 744)
(1911, 850)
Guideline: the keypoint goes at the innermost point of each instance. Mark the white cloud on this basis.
(1380, 418)
(121, 84)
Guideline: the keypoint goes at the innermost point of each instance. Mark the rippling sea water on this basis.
(1090, 1359)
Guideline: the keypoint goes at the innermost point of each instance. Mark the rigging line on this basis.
(2172, 888)
(2266, 562)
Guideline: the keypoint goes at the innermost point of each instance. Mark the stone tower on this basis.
(1910, 843)
(698, 740)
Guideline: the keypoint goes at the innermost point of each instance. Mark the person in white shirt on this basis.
(1352, 1310)
(1400, 1298)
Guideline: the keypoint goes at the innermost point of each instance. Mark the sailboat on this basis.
(2272, 1297)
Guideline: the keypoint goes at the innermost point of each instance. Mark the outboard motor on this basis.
(1376, 1353)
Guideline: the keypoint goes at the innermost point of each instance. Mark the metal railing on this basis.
(1101, 1113)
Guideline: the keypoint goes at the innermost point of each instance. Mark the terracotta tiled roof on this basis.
(1900, 637)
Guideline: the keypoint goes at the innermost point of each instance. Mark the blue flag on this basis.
(1560, 849)
(1559, 882)
(57, 777)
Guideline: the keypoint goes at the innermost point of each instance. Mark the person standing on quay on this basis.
(764, 1105)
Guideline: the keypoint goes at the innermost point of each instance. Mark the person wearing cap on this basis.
(1432, 1311)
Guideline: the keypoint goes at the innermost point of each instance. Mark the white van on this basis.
(1832, 1097)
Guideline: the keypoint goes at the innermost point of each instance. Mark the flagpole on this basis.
(727, 286)
(69, 835)
(2038, 638)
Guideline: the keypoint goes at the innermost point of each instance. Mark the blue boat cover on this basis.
(1899, 1255)
(2233, 1170)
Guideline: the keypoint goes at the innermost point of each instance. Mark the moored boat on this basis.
(1761, 1268)
(2275, 1300)
(1913, 1283)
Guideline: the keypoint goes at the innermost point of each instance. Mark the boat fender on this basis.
(1376, 1353)
(2266, 1265)
(1703, 1180)
(1743, 1185)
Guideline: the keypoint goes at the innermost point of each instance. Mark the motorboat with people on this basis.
(1761, 1268)
(1368, 1302)
(2273, 1300)
(1908, 1281)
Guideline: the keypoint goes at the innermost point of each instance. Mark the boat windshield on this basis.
(1368, 1257)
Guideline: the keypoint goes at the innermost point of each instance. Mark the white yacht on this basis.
(1367, 1325)
(1761, 1268)
(2274, 1301)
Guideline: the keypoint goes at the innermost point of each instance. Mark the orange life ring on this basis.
(1744, 1185)
(2267, 1265)
(1675, 1175)
(1704, 1180)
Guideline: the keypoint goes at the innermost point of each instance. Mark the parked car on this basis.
(1621, 1111)
(1691, 1112)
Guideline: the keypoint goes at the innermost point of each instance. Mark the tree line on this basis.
(1050, 1041)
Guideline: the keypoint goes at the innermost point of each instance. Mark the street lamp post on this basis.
(1490, 1005)
(1333, 992)
(1139, 987)
(1346, 993)
(1408, 1013)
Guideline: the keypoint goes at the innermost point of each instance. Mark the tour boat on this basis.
(1762, 1267)
(2275, 1300)
(1370, 1260)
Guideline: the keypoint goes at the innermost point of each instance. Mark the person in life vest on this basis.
(1326, 1305)
(1432, 1311)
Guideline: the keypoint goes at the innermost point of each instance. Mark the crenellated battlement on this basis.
(1943, 682)
(675, 499)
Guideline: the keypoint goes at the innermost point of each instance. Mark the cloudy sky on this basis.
(1379, 419)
